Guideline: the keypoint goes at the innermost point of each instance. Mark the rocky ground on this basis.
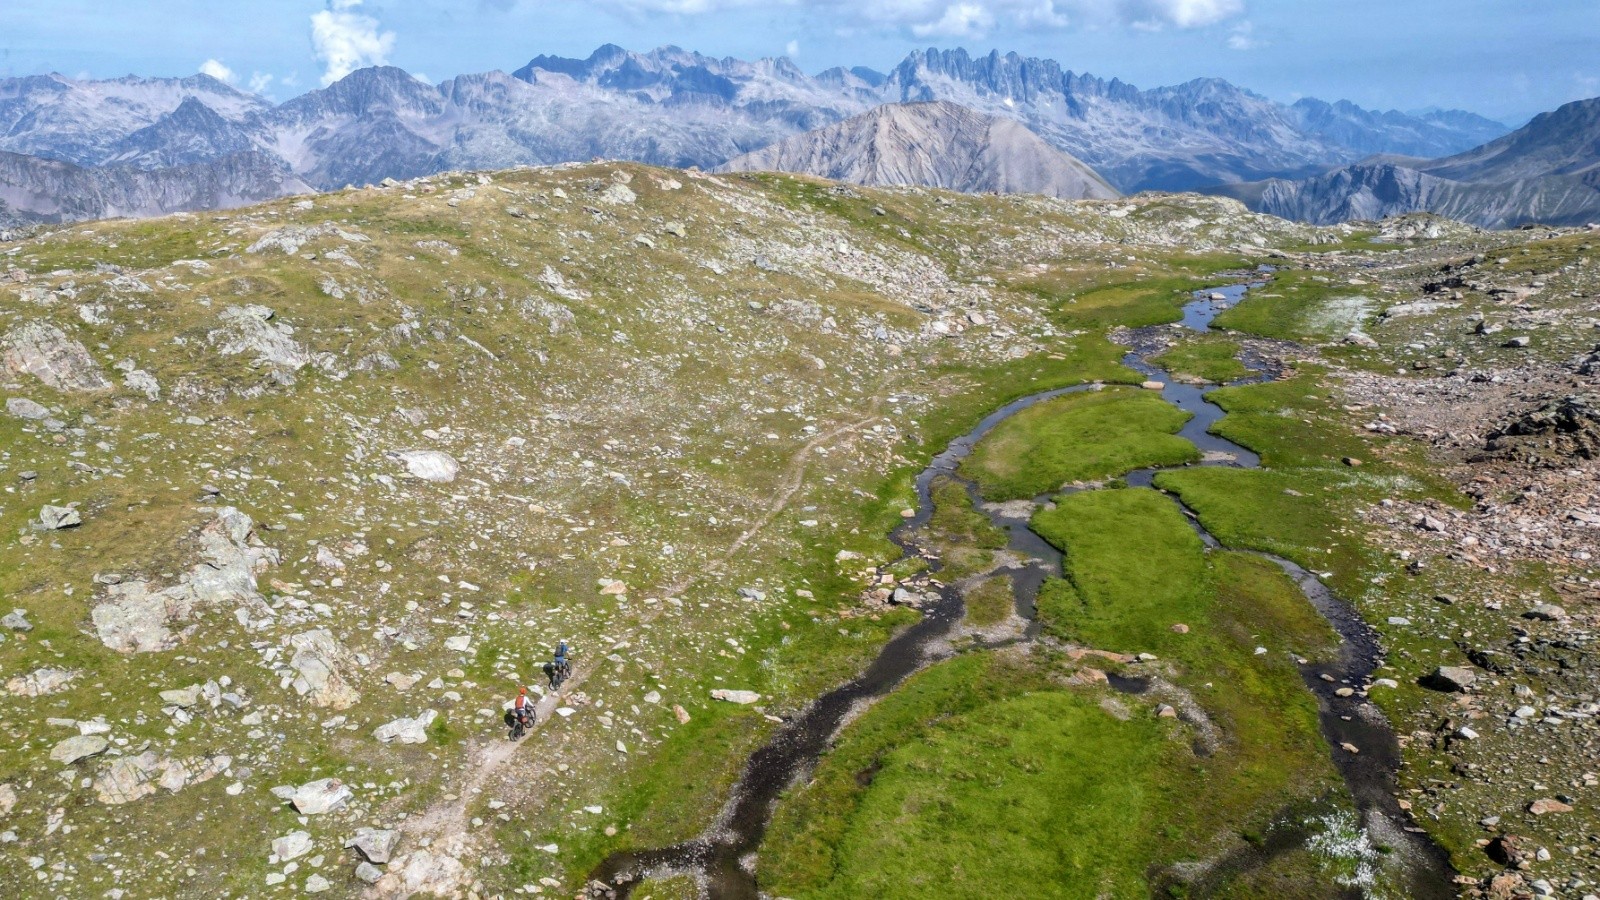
(296, 497)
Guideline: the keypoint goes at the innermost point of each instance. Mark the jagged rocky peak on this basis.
(934, 144)
(376, 89)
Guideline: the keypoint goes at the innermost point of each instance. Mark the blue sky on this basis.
(1504, 58)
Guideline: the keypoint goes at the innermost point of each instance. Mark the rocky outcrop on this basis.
(936, 144)
(135, 616)
(322, 666)
(129, 778)
(45, 352)
(251, 331)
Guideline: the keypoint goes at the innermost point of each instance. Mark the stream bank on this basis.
(722, 860)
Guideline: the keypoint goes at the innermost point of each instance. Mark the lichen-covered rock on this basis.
(79, 747)
(43, 351)
(251, 331)
(41, 682)
(320, 664)
(136, 617)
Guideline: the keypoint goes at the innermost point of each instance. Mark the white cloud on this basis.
(346, 40)
(961, 20)
(792, 50)
(968, 18)
(260, 82)
(217, 70)
(1243, 37)
(1157, 14)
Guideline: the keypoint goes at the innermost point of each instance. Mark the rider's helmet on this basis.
(523, 691)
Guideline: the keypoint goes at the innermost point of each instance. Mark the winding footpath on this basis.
(722, 859)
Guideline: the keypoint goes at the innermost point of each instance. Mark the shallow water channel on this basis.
(722, 859)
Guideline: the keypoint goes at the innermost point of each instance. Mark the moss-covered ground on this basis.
(1078, 437)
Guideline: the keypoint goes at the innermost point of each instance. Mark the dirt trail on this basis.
(445, 824)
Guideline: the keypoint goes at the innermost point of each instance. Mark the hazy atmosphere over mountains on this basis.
(668, 107)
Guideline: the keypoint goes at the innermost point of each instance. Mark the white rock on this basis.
(56, 518)
(429, 465)
(292, 845)
(741, 697)
(406, 730)
(320, 796)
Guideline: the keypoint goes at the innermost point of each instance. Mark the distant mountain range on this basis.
(937, 144)
(1548, 172)
(669, 107)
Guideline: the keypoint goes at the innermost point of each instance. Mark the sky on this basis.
(1507, 59)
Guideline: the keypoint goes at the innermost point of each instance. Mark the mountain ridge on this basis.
(932, 144)
(681, 108)
(1546, 172)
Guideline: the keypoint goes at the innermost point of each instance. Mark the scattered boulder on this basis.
(129, 778)
(367, 873)
(55, 518)
(23, 408)
(1451, 678)
(1546, 805)
(16, 620)
(1546, 612)
(250, 329)
(79, 747)
(46, 353)
(320, 662)
(407, 731)
(740, 697)
(1509, 850)
(321, 796)
(429, 465)
(292, 845)
(376, 844)
(40, 682)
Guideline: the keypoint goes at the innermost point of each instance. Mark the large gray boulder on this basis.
(43, 351)
(79, 747)
(55, 518)
(376, 844)
(23, 408)
(1451, 678)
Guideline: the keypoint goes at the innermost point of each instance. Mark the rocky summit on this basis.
(937, 144)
